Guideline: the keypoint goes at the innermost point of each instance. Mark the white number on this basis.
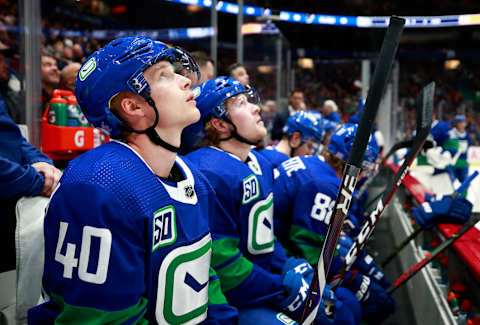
(69, 261)
(322, 208)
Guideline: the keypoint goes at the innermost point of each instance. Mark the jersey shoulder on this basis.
(275, 157)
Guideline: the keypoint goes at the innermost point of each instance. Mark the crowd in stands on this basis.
(457, 91)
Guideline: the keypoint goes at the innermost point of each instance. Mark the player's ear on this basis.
(220, 125)
(132, 104)
(295, 139)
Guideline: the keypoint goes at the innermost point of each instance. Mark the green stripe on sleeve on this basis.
(73, 315)
(234, 273)
(224, 250)
(215, 294)
(309, 243)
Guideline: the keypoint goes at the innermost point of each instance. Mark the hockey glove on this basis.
(296, 287)
(366, 265)
(300, 265)
(456, 210)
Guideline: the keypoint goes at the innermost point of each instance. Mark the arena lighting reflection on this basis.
(335, 20)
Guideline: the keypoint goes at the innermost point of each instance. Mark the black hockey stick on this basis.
(424, 123)
(418, 230)
(353, 166)
(474, 219)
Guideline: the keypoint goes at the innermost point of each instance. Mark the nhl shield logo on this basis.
(189, 191)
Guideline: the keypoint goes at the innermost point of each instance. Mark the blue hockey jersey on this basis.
(305, 190)
(244, 249)
(124, 246)
(275, 157)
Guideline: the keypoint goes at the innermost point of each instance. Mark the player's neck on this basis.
(236, 147)
(284, 147)
(159, 159)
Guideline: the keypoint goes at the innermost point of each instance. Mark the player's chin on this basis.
(193, 115)
(262, 131)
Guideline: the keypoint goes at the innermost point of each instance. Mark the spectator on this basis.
(297, 103)
(50, 78)
(68, 76)
(237, 71)
(9, 86)
(205, 64)
(24, 171)
(329, 111)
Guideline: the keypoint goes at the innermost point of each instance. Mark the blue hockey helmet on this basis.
(458, 118)
(211, 95)
(341, 143)
(112, 69)
(328, 126)
(308, 123)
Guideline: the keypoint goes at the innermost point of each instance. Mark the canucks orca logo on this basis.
(164, 227)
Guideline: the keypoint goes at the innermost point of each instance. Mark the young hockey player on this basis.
(254, 272)
(305, 192)
(126, 233)
(301, 134)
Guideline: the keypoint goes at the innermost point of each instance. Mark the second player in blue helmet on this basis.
(251, 264)
(302, 134)
(211, 104)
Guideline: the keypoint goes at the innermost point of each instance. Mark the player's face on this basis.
(246, 117)
(172, 96)
(306, 149)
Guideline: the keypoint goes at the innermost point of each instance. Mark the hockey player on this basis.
(301, 134)
(305, 192)
(254, 272)
(126, 232)
(457, 144)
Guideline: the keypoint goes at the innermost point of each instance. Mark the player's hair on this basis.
(336, 163)
(212, 138)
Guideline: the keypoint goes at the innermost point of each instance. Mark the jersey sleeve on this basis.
(17, 181)
(32, 155)
(219, 311)
(92, 246)
(243, 282)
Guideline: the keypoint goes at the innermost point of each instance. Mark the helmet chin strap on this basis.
(234, 134)
(150, 132)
